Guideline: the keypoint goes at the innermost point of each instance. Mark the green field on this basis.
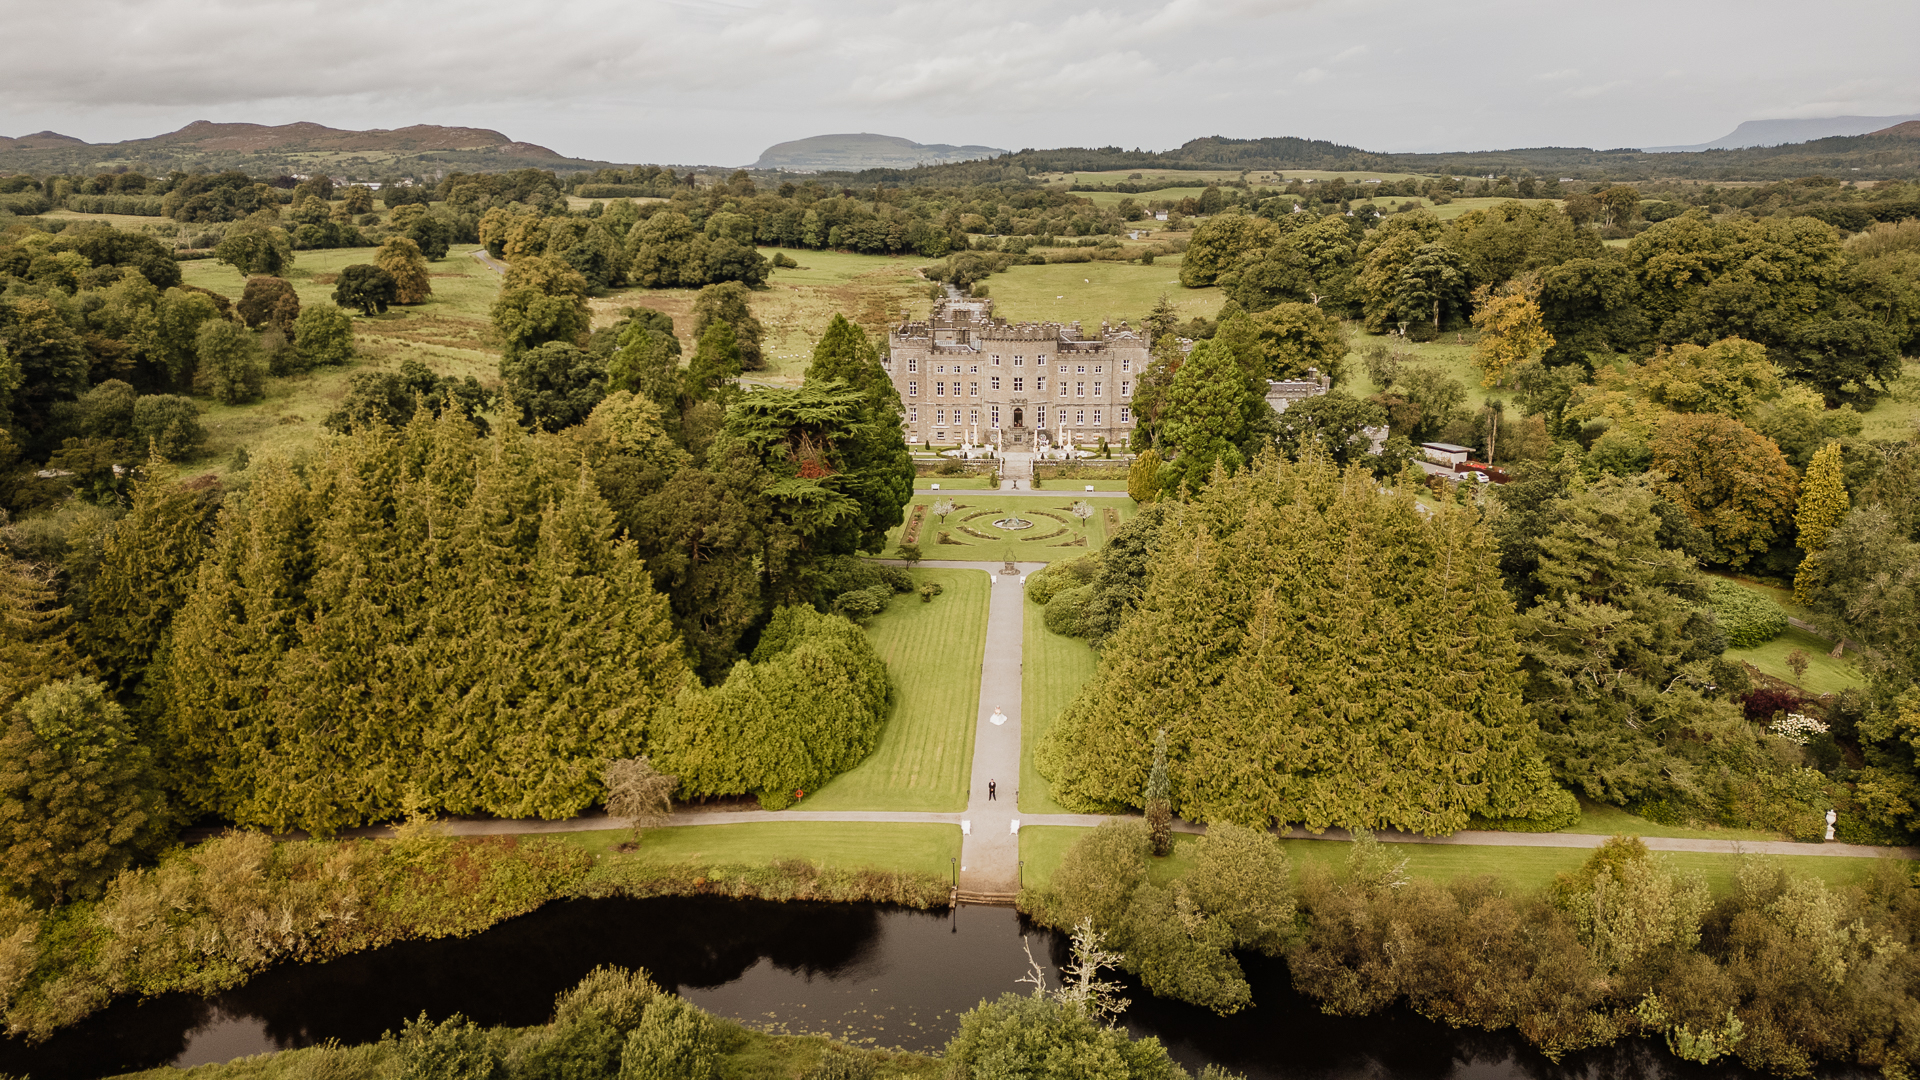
(954, 483)
(1599, 819)
(1053, 668)
(1825, 675)
(1460, 206)
(1896, 416)
(850, 845)
(1052, 537)
(1092, 291)
(933, 652)
(1452, 353)
(1042, 847)
(450, 333)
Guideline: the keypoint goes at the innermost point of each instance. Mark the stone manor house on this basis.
(967, 378)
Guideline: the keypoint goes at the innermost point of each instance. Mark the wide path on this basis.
(990, 848)
(488, 261)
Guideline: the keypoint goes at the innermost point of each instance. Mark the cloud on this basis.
(717, 80)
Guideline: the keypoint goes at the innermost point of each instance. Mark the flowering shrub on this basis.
(1796, 728)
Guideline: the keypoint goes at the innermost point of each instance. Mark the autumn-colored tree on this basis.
(1511, 332)
(1732, 481)
(1823, 502)
(401, 258)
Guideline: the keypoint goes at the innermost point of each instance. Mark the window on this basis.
(913, 414)
(1041, 360)
(1096, 418)
(994, 415)
(1039, 384)
(939, 416)
(913, 389)
(913, 367)
(973, 416)
(1126, 364)
(1063, 388)
(1040, 417)
(993, 383)
(1019, 384)
(1096, 389)
(1079, 369)
(1098, 368)
(996, 359)
(976, 369)
(1080, 418)
(1019, 361)
(1079, 389)
(1126, 389)
(940, 369)
(939, 436)
(939, 389)
(1126, 415)
(973, 389)
(887, 362)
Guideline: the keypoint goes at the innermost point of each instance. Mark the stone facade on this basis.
(966, 377)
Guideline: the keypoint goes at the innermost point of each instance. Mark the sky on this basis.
(712, 83)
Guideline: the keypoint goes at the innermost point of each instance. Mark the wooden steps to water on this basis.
(963, 896)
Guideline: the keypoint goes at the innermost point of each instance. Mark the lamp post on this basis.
(955, 863)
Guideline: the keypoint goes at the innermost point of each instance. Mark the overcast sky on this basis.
(697, 81)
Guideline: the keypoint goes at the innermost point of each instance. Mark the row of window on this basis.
(993, 416)
(1019, 387)
(913, 366)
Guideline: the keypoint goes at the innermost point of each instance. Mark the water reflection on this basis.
(864, 973)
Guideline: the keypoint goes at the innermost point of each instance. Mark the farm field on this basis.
(1529, 869)
(1092, 291)
(450, 333)
(1056, 534)
(932, 652)
(1052, 671)
(848, 845)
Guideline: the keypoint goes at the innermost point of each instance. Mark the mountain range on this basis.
(259, 147)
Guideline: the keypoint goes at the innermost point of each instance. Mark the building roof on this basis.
(1446, 447)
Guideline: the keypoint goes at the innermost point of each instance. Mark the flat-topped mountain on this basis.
(1784, 132)
(851, 153)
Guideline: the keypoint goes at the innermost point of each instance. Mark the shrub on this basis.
(930, 590)
(1748, 618)
(1761, 704)
(230, 365)
(1066, 612)
(169, 424)
(863, 604)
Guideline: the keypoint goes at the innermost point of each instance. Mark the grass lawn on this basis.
(1450, 354)
(1056, 534)
(1604, 820)
(1896, 415)
(450, 333)
(1092, 291)
(1825, 675)
(915, 848)
(953, 483)
(1052, 670)
(933, 653)
(1042, 848)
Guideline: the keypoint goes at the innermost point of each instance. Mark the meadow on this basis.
(932, 651)
(450, 333)
(1091, 291)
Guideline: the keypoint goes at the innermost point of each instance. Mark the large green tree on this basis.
(418, 618)
(542, 300)
(80, 799)
(1319, 652)
(727, 302)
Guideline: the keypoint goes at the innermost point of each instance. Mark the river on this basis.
(865, 973)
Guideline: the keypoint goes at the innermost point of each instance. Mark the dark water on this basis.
(865, 973)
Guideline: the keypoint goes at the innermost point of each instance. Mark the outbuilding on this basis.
(1448, 454)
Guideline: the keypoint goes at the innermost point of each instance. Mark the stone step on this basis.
(964, 896)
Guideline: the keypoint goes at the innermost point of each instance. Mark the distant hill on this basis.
(852, 153)
(1784, 132)
(259, 148)
(40, 140)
